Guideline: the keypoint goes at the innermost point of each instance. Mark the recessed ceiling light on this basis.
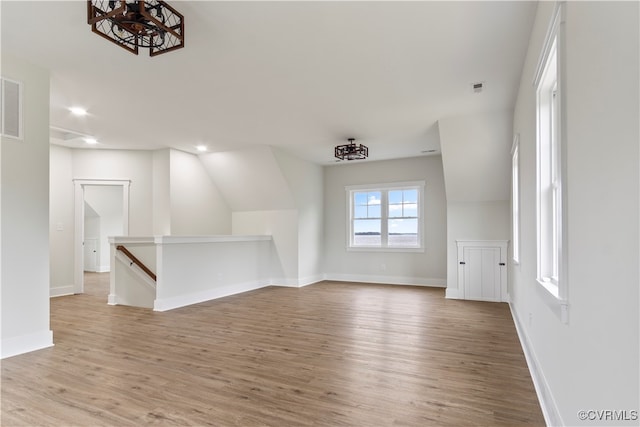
(78, 111)
(91, 141)
(201, 148)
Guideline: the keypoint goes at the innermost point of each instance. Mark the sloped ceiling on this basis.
(476, 156)
(300, 76)
(249, 179)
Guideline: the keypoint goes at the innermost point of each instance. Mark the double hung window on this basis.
(386, 216)
(551, 229)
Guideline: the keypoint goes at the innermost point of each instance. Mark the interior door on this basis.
(91, 255)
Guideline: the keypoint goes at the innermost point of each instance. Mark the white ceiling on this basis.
(302, 76)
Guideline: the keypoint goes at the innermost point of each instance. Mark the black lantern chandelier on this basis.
(351, 151)
(132, 24)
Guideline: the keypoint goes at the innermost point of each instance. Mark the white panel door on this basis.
(91, 255)
(482, 276)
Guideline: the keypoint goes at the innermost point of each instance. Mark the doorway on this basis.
(101, 210)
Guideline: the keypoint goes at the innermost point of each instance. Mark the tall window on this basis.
(515, 198)
(385, 216)
(550, 164)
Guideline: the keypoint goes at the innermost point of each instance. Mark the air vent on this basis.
(11, 108)
(477, 87)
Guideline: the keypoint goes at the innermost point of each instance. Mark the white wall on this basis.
(428, 268)
(24, 181)
(472, 221)
(68, 164)
(152, 202)
(477, 170)
(476, 156)
(305, 181)
(197, 207)
(590, 363)
(213, 267)
(134, 165)
(161, 193)
(61, 225)
(272, 192)
(281, 225)
(249, 179)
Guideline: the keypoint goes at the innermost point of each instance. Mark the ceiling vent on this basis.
(477, 87)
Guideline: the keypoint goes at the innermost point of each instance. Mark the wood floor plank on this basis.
(329, 354)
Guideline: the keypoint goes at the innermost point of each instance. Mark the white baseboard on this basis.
(165, 304)
(452, 293)
(310, 280)
(26, 343)
(545, 397)
(387, 280)
(60, 291)
(286, 282)
(297, 283)
(103, 269)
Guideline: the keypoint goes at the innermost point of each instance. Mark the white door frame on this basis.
(79, 184)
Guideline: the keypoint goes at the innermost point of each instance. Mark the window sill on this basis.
(387, 249)
(550, 294)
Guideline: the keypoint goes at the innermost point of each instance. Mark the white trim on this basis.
(515, 204)
(115, 240)
(391, 249)
(78, 253)
(545, 397)
(310, 280)
(387, 280)
(171, 303)
(452, 293)
(385, 186)
(26, 343)
(172, 240)
(285, 282)
(60, 291)
(557, 17)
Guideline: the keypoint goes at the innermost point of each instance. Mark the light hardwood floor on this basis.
(329, 354)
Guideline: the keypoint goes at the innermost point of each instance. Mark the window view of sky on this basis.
(402, 212)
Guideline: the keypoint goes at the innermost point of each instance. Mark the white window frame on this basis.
(551, 151)
(515, 199)
(384, 189)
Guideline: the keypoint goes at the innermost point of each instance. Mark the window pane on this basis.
(411, 196)
(373, 198)
(367, 232)
(403, 232)
(374, 211)
(410, 209)
(395, 210)
(395, 196)
(360, 198)
(360, 212)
